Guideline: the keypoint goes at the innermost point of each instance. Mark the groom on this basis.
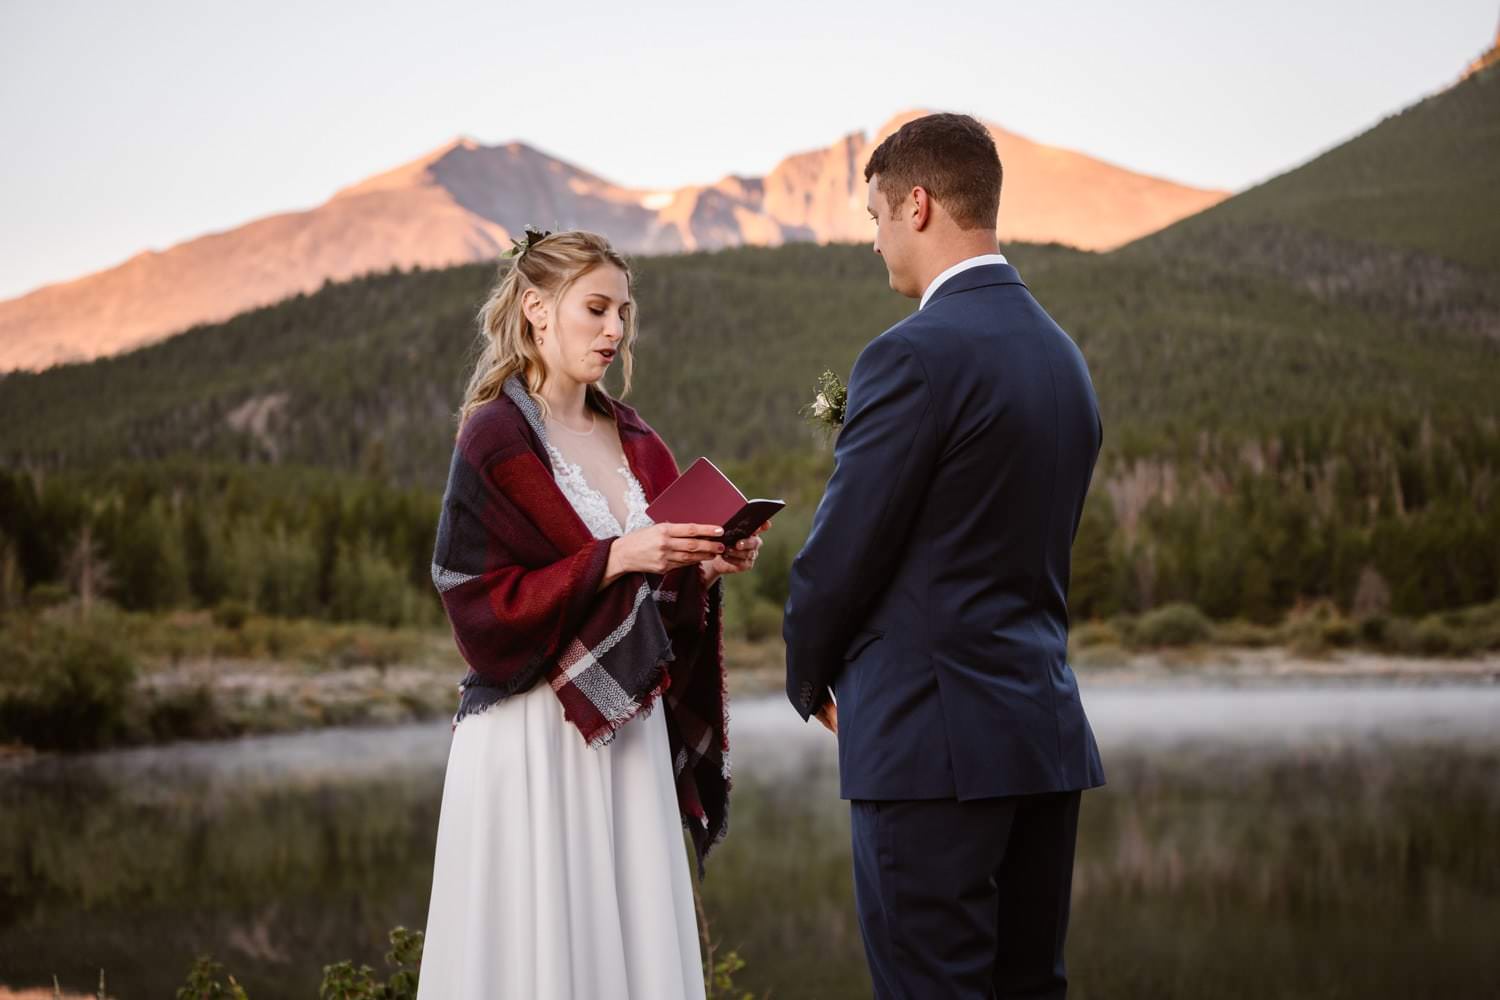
(931, 597)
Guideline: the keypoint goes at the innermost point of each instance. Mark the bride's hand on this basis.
(738, 559)
(662, 548)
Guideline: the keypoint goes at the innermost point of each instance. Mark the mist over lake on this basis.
(1297, 840)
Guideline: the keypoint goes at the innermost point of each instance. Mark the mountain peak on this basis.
(459, 143)
(462, 200)
(1490, 57)
(415, 172)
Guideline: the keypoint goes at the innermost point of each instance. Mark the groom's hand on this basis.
(829, 716)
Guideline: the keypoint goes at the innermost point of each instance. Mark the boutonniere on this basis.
(829, 400)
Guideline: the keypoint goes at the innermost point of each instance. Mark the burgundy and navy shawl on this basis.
(519, 576)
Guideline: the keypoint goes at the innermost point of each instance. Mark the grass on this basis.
(1314, 629)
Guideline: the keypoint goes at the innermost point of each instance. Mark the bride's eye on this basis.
(596, 310)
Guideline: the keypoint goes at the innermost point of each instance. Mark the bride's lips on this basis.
(606, 354)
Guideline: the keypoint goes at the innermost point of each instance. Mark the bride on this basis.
(591, 725)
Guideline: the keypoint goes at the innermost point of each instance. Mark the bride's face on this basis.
(579, 335)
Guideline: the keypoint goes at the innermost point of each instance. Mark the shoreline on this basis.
(1228, 666)
(251, 697)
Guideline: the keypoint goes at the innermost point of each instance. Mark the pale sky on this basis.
(135, 125)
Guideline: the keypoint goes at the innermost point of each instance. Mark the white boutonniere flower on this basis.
(829, 400)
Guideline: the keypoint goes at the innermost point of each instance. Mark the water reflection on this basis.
(1317, 841)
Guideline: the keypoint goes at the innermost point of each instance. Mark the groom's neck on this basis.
(958, 247)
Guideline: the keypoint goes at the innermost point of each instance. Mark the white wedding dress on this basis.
(561, 872)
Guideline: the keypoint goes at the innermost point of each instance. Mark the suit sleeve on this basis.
(883, 463)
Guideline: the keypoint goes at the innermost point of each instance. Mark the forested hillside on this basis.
(1299, 393)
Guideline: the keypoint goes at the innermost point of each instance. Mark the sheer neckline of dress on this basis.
(592, 505)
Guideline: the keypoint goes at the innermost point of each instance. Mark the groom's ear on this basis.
(921, 208)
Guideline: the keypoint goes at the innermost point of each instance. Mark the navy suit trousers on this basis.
(965, 900)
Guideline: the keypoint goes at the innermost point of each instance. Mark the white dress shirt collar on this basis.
(961, 266)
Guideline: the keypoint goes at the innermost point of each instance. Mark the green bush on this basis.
(1126, 626)
(760, 619)
(1339, 632)
(64, 687)
(1435, 637)
(1312, 629)
(369, 587)
(1094, 634)
(1242, 633)
(231, 614)
(341, 981)
(1399, 635)
(1304, 636)
(1102, 656)
(188, 713)
(1177, 624)
(47, 595)
(1374, 630)
(203, 983)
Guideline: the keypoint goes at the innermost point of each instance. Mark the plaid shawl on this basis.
(519, 576)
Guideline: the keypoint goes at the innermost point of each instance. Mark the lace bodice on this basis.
(592, 505)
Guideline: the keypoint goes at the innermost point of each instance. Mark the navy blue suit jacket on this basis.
(931, 595)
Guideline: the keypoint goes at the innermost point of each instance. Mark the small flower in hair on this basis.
(533, 237)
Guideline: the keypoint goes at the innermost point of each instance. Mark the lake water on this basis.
(1288, 841)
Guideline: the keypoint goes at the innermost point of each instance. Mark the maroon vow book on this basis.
(704, 495)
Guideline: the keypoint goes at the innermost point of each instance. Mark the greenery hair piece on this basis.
(533, 237)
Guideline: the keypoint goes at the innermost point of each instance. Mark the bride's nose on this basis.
(614, 328)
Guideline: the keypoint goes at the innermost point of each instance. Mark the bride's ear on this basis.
(534, 308)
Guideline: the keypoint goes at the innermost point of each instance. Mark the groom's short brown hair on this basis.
(952, 156)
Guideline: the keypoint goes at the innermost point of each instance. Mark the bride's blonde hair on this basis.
(507, 343)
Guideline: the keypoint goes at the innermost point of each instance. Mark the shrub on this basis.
(186, 713)
(344, 982)
(1304, 636)
(1126, 627)
(1099, 657)
(369, 587)
(1310, 629)
(1339, 632)
(1399, 635)
(46, 595)
(64, 688)
(1373, 630)
(1095, 634)
(231, 614)
(1243, 633)
(203, 983)
(1177, 624)
(341, 981)
(760, 619)
(1435, 637)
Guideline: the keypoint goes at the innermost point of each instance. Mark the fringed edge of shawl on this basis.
(643, 707)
